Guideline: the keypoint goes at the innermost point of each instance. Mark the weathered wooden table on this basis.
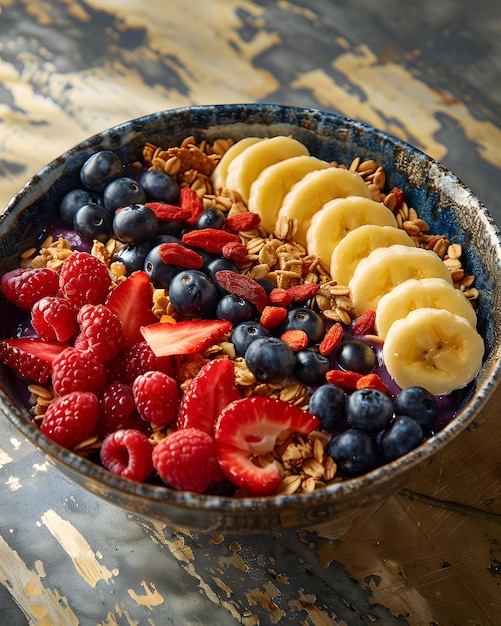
(428, 72)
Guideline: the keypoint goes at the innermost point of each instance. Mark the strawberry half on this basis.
(250, 427)
(131, 301)
(30, 357)
(186, 337)
(210, 391)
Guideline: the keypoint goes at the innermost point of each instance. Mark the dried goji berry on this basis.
(176, 254)
(345, 380)
(209, 239)
(168, 212)
(399, 194)
(365, 323)
(297, 339)
(331, 340)
(280, 297)
(372, 381)
(303, 292)
(189, 201)
(234, 251)
(271, 316)
(243, 286)
(242, 221)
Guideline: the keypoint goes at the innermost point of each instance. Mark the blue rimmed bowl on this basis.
(439, 197)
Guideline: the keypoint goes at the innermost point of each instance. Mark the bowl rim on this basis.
(102, 478)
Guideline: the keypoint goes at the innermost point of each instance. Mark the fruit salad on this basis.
(240, 318)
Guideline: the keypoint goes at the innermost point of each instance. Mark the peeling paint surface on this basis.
(428, 74)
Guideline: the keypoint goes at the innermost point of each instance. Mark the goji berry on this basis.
(400, 197)
(243, 286)
(176, 254)
(303, 292)
(234, 251)
(331, 340)
(242, 221)
(372, 381)
(279, 297)
(209, 239)
(345, 380)
(271, 316)
(168, 212)
(365, 323)
(189, 201)
(297, 339)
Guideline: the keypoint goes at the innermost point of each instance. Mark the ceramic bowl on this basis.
(438, 196)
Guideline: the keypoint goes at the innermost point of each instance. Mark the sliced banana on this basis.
(268, 191)
(316, 189)
(384, 268)
(246, 167)
(434, 293)
(340, 216)
(434, 349)
(221, 171)
(359, 243)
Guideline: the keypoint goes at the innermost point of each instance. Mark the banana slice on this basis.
(385, 268)
(434, 293)
(246, 167)
(340, 216)
(221, 171)
(359, 243)
(316, 189)
(268, 191)
(434, 349)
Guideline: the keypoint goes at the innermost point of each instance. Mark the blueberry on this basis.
(420, 404)
(160, 187)
(328, 403)
(310, 367)
(266, 284)
(133, 256)
(93, 221)
(160, 273)
(245, 333)
(270, 359)
(355, 451)
(192, 293)
(307, 320)
(170, 227)
(121, 192)
(211, 218)
(99, 169)
(402, 436)
(369, 409)
(135, 223)
(356, 356)
(73, 200)
(235, 309)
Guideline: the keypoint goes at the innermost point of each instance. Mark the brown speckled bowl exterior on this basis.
(439, 197)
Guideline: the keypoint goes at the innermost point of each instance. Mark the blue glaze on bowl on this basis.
(439, 198)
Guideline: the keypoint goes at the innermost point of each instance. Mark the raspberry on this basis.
(24, 287)
(84, 279)
(101, 332)
(157, 396)
(186, 459)
(54, 318)
(74, 371)
(136, 360)
(71, 419)
(127, 453)
(117, 410)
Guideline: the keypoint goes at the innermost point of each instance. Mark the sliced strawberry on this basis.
(30, 357)
(210, 391)
(131, 301)
(251, 427)
(186, 337)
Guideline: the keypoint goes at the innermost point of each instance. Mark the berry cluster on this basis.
(116, 370)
